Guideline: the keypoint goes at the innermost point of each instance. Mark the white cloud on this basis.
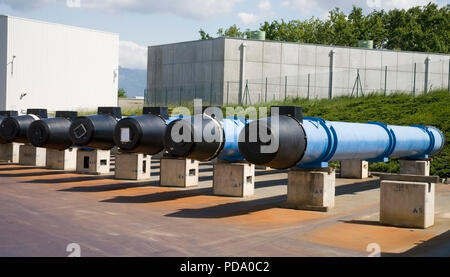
(73, 3)
(25, 5)
(319, 7)
(264, 5)
(248, 18)
(196, 9)
(398, 4)
(187, 8)
(132, 55)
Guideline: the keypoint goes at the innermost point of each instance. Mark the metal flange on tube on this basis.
(143, 134)
(15, 128)
(313, 142)
(204, 137)
(96, 131)
(52, 133)
(4, 115)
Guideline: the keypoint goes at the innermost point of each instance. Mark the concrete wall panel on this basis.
(233, 49)
(254, 51)
(272, 71)
(373, 60)
(307, 55)
(254, 71)
(357, 58)
(272, 52)
(289, 53)
(341, 57)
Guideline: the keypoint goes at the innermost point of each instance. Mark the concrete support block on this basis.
(93, 161)
(33, 156)
(62, 160)
(179, 173)
(130, 166)
(311, 189)
(415, 167)
(234, 179)
(354, 169)
(407, 204)
(10, 152)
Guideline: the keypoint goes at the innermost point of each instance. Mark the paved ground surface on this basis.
(42, 211)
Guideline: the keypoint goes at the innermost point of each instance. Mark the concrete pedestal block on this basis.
(10, 152)
(62, 160)
(407, 204)
(93, 161)
(33, 156)
(354, 169)
(415, 167)
(311, 189)
(178, 173)
(130, 166)
(234, 179)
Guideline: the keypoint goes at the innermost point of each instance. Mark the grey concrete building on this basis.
(229, 70)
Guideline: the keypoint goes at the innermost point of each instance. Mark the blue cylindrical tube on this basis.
(335, 141)
(232, 128)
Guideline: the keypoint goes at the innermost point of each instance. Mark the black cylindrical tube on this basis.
(2, 141)
(203, 138)
(52, 133)
(95, 131)
(141, 134)
(14, 129)
(287, 152)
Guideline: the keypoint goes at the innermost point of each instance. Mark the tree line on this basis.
(421, 28)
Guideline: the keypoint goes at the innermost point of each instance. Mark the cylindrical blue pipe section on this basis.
(232, 128)
(225, 147)
(410, 141)
(334, 141)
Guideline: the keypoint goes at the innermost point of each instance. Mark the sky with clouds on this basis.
(151, 22)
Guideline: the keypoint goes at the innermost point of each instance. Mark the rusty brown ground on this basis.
(42, 211)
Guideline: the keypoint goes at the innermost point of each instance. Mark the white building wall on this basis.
(60, 67)
(3, 60)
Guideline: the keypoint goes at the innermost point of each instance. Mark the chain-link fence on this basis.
(311, 83)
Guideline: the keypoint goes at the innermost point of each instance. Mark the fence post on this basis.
(165, 98)
(266, 91)
(330, 85)
(385, 80)
(228, 91)
(357, 84)
(285, 88)
(309, 80)
(427, 73)
(210, 93)
(414, 82)
(448, 81)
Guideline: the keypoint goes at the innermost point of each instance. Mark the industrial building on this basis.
(56, 67)
(230, 71)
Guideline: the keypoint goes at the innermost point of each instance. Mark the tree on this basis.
(122, 93)
(424, 29)
(204, 35)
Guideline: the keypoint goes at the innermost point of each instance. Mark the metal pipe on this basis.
(52, 133)
(143, 134)
(313, 142)
(207, 138)
(14, 129)
(96, 131)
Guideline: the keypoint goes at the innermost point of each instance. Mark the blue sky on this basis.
(148, 22)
